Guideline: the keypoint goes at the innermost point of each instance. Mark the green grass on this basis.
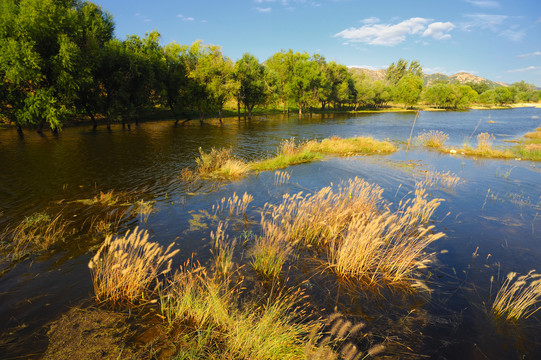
(221, 164)
(284, 160)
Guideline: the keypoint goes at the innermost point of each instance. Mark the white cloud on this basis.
(185, 18)
(513, 35)
(535, 53)
(485, 4)
(393, 34)
(439, 30)
(485, 21)
(529, 68)
(264, 10)
(370, 20)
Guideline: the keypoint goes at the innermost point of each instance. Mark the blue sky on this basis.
(496, 39)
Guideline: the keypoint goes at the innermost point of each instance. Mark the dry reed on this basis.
(363, 238)
(518, 297)
(340, 341)
(444, 180)
(433, 139)
(124, 267)
(281, 177)
(387, 246)
(233, 205)
(223, 250)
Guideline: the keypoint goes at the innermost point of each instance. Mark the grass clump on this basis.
(37, 232)
(518, 297)
(124, 267)
(220, 163)
(210, 322)
(269, 251)
(291, 153)
(387, 246)
(432, 139)
(362, 237)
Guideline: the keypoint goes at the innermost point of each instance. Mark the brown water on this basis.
(495, 209)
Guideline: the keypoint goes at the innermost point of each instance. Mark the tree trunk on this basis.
(20, 131)
(92, 118)
(300, 110)
(220, 115)
(40, 127)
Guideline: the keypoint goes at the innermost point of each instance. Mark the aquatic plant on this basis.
(387, 246)
(269, 251)
(281, 177)
(143, 209)
(213, 325)
(36, 232)
(337, 338)
(234, 205)
(433, 139)
(445, 180)
(519, 296)
(364, 239)
(223, 250)
(124, 267)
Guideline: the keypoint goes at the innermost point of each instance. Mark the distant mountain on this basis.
(461, 77)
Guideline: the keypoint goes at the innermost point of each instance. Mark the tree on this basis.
(279, 73)
(172, 78)
(408, 90)
(252, 89)
(503, 95)
(397, 71)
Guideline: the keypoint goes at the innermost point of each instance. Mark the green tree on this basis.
(503, 96)
(397, 71)
(408, 90)
(172, 76)
(279, 74)
(252, 89)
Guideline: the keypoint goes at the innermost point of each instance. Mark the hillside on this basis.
(461, 77)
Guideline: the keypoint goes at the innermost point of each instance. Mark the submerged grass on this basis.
(222, 164)
(528, 149)
(519, 297)
(37, 232)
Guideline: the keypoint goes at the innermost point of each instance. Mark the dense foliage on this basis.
(60, 60)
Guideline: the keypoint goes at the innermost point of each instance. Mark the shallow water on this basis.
(493, 212)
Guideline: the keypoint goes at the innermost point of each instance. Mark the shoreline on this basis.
(165, 115)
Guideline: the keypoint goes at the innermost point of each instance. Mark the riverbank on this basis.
(161, 114)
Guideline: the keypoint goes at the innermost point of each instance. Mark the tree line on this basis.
(59, 59)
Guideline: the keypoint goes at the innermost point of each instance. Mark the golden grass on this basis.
(220, 163)
(386, 247)
(233, 205)
(281, 178)
(223, 250)
(207, 311)
(535, 135)
(350, 146)
(433, 139)
(37, 232)
(315, 220)
(124, 267)
(519, 296)
(444, 180)
(364, 239)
